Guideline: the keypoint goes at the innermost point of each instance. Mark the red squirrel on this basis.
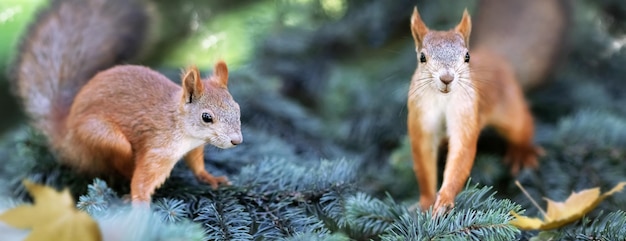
(453, 94)
(103, 118)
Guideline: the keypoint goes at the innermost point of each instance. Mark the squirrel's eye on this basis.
(206, 117)
(467, 57)
(422, 58)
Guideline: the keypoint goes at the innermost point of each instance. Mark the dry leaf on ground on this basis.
(52, 216)
(560, 213)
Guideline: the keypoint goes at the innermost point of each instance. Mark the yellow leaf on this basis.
(52, 216)
(525, 223)
(561, 213)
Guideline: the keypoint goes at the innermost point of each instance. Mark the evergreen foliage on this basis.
(479, 216)
(142, 224)
(326, 157)
(606, 227)
(256, 207)
(99, 197)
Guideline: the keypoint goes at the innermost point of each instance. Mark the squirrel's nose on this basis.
(236, 139)
(446, 78)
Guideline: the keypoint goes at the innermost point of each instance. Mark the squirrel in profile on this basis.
(104, 118)
(453, 95)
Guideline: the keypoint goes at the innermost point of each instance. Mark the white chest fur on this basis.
(178, 148)
(439, 110)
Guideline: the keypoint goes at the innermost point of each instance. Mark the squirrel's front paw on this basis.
(519, 157)
(443, 204)
(425, 202)
(212, 180)
(138, 200)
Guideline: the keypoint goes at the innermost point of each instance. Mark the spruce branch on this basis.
(367, 217)
(315, 237)
(171, 210)
(98, 199)
(603, 227)
(477, 216)
(224, 220)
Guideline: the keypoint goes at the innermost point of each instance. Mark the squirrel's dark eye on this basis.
(422, 58)
(467, 57)
(206, 117)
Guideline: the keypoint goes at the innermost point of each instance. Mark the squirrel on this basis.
(103, 118)
(454, 93)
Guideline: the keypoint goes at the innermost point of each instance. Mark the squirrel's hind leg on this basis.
(519, 131)
(108, 144)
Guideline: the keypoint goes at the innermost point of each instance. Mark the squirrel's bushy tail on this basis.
(67, 44)
(531, 34)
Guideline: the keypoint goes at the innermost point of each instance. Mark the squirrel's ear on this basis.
(192, 84)
(465, 27)
(418, 28)
(221, 73)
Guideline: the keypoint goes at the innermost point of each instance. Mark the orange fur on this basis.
(481, 90)
(142, 134)
(127, 120)
(531, 34)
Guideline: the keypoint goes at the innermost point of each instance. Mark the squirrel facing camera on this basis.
(443, 54)
(452, 97)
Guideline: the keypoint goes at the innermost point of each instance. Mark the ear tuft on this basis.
(465, 27)
(418, 28)
(192, 84)
(221, 73)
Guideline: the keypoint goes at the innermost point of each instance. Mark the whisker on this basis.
(419, 88)
(481, 94)
(423, 78)
(464, 85)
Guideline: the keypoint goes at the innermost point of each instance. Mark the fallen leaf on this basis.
(560, 213)
(52, 216)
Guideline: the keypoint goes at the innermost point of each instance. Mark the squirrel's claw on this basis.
(443, 205)
(519, 157)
